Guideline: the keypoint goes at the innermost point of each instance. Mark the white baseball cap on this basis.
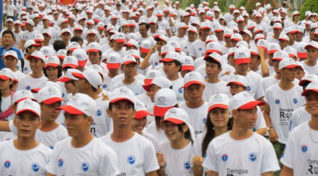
(22, 95)
(128, 59)
(218, 101)
(313, 44)
(288, 63)
(70, 61)
(187, 63)
(37, 55)
(280, 55)
(68, 76)
(132, 42)
(94, 47)
(73, 46)
(159, 81)
(161, 37)
(113, 60)
(213, 47)
(215, 56)
(49, 95)
(238, 80)
(145, 46)
(311, 87)
(6, 74)
(193, 78)
(122, 93)
(165, 99)
(273, 47)
(81, 56)
(176, 116)
(141, 111)
(171, 56)
(243, 100)
(29, 105)
(242, 55)
(80, 104)
(91, 75)
(52, 61)
(11, 53)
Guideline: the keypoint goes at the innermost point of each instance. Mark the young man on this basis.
(24, 155)
(136, 153)
(282, 99)
(252, 154)
(81, 154)
(310, 64)
(8, 40)
(194, 104)
(302, 145)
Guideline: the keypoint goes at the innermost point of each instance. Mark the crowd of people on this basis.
(131, 88)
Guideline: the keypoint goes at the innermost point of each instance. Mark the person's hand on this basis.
(260, 50)
(197, 161)
(273, 137)
(153, 49)
(161, 160)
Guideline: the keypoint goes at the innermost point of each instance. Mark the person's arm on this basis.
(212, 173)
(286, 171)
(49, 174)
(153, 173)
(4, 126)
(272, 133)
(264, 67)
(197, 166)
(145, 63)
(268, 174)
(162, 164)
(261, 131)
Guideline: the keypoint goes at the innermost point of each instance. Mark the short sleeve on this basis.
(288, 158)
(150, 158)
(108, 165)
(269, 160)
(210, 162)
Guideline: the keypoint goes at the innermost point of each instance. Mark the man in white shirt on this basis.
(300, 156)
(136, 153)
(81, 154)
(241, 150)
(24, 155)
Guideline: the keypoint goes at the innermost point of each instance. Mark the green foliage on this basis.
(311, 5)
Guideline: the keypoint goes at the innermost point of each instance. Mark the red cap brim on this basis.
(69, 65)
(3, 77)
(51, 65)
(252, 104)
(78, 75)
(187, 67)
(160, 111)
(305, 92)
(52, 100)
(113, 65)
(71, 110)
(222, 106)
(174, 120)
(193, 82)
(242, 61)
(65, 79)
(31, 110)
(141, 114)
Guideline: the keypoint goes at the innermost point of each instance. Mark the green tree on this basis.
(311, 5)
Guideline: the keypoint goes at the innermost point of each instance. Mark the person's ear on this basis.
(108, 111)
(234, 114)
(90, 120)
(185, 128)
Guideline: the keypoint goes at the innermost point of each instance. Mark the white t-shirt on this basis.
(312, 70)
(136, 86)
(197, 49)
(197, 116)
(23, 162)
(215, 88)
(158, 134)
(93, 159)
(298, 117)
(145, 99)
(282, 104)
(177, 87)
(178, 161)
(136, 156)
(302, 150)
(252, 156)
(102, 123)
(28, 83)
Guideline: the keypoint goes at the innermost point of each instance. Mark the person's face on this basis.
(160, 43)
(76, 125)
(192, 36)
(235, 89)
(219, 117)
(118, 45)
(277, 31)
(94, 57)
(78, 33)
(312, 53)
(241, 68)
(91, 38)
(130, 69)
(7, 39)
(292, 36)
(170, 68)
(219, 35)
(246, 37)
(122, 113)
(82, 85)
(288, 74)
(29, 27)
(194, 92)
(182, 31)
(255, 61)
(36, 64)
(143, 30)
(212, 70)
(5, 84)
(52, 73)
(283, 43)
(153, 27)
(276, 65)
(152, 92)
(138, 124)
(10, 62)
(299, 73)
(246, 118)
(312, 103)
(172, 131)
(205, 32)
(31, 49)
(17, 26)
(66, 36)
(70, 87)
(27, 123)
(50, 112)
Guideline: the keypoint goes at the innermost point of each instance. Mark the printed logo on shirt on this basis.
(200, 49)
(204, 120)
(25, 69)
(156, 63)
(277, 101)
(249, 88)
(60, 162)
(7, 164)
(51, 147)
(224, 157)
(28, 87)
(131, 160)
(99, 112)
(295, 100)
(252, 157)
(104, 86)
(35, 167)
(63, 95)
(187, 165)
(185, 47)
(304, 148)
(180, 90)
(284, 115)
(85, 167)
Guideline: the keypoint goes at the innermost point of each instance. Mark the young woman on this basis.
(174, 157)
(6, 95)
(52, 69)
(218, 122)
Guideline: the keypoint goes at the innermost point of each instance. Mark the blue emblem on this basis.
(252, 157)
(200, 49)
(60, 162)
(295, 100)
(63, 95)
(156, 63)
(131, 160)
(224, 157)
(28, 87)
(304, 148)
(249, 88)
(35, 167)
(7, 164)
(25, 69)
(187, 165)
(104, 86)
(85, 167)
(51, 147)
(277, 101)
(185, 47)
(180, 90)
(99, 113)
(204, 120)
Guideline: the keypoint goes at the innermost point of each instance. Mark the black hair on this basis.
(59, 71)
(187, 134)
(77, 39)
(210, 133)
(59, 44)
(8, 32)
(210, 60)
(110, 106)
(147, 25)
(178, 63)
